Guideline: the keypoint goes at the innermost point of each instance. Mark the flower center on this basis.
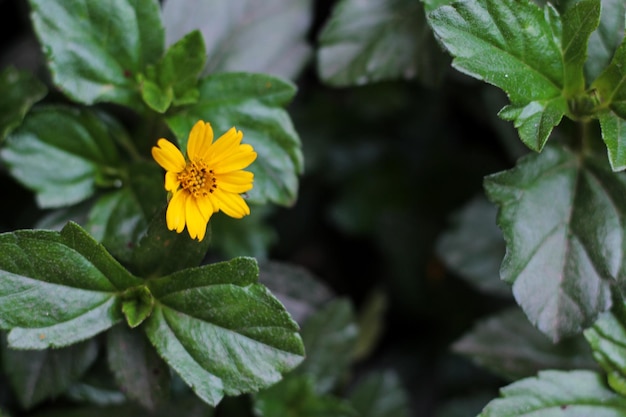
(197, 179)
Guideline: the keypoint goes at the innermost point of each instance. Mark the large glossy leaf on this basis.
(42, 374)
(57, 288)
(62, 154)
(254, 104)
(368, 41)
(562, 216)
(245, 35)
(556, 393)
(139, 372)
(96, 49)
(20, 90)
(221, 331)
(532, 54)
(508, 345)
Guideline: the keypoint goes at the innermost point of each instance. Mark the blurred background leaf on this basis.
(245, 35)
(369, 41)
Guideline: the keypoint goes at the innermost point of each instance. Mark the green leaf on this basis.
(614, 136)
(241, 35)
(175, 76)
(182, 64)
(606, 39)
(139, 372)
(221, 331)
(296, 396)
(78, 239)
(62, 154)
(95, 50)
(36, 376)
(329, 337)
(473, 247)
(530, 53)
(534, 121)
(562, 216)
(137, 305)
(154, 96)
(552, 393)
(20, 91)
(508, 345)
(611, 85)
(369, 41)
(58, 288)
(254, 104)
(297, 288)
(579, 21)
(380, 394)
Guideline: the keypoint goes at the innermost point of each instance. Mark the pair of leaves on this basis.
(220, 330)
(536, 56)
(539, 58)
(173, 79)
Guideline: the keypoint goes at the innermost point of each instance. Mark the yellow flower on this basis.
(209, 180)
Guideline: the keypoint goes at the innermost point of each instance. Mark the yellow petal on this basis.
(196, 222)
(206, 207)
(168, 156)
(200, 139)
(175, 215)
(224, 146)
(235, 162)
(171, 181)
(214, 202)
(235, 188)
(236, 177)
(231, 204)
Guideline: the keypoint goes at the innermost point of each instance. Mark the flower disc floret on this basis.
(210, 179)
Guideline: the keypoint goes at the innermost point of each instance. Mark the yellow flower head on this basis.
(209, 180)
